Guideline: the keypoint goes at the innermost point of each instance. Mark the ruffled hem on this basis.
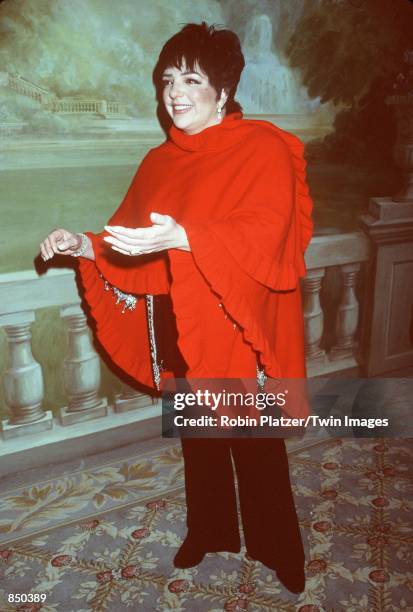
(119, 334)
(223, 284)
(266, 270)
(304, 203)
(209, 255)
(138, 275)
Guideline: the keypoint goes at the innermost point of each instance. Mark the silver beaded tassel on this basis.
(156, 370)
(261, 378)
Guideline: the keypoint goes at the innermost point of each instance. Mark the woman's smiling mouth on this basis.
(181, 108)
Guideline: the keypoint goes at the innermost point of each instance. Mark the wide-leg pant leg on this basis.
(269, 518)
(212, 518)
(268, 512)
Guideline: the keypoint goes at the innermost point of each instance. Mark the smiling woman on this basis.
(210, 240)
(190, 99)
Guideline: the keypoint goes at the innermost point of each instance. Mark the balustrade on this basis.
(23, 379)
(26, 88)
(347, 315)
(346, 252)
(80, 106)
(81, 371)
(313, 315)
(129, 399)
(112, 107)
(10, 128)
(63, 105)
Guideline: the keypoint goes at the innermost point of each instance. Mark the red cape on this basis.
(239, 190)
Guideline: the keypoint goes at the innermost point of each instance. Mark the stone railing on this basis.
(344, 254)
(10, 128)
(115, 107)
(85, 105)
(67, 104)
(23, 379)
(75, 106)
(27, 88)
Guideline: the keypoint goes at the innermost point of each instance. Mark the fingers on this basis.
(123, 240)
(116, 244)
(121, 251)
(46, 249)
(141, 240)
(138, 246)
(63, 246)
(159, 219)
(127, 232)
(139, 232)
(125, 243)
(134, 252)
(43, 252)
(57, 242)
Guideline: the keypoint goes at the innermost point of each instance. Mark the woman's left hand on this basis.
(165, 233)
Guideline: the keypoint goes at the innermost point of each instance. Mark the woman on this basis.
(216, 220)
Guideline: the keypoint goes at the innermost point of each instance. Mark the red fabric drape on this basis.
(239, 190)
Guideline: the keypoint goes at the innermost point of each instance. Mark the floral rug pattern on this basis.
(104, 539)
(87, 492)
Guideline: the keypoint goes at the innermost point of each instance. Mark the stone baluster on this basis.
(347, 315)
(129, 399)
(23, 380)
(313, 315)
(81, 371)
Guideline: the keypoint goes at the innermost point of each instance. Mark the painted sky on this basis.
(94, 48)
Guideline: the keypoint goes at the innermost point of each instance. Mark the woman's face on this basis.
(190, 99)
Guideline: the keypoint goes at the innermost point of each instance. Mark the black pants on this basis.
(267, 507)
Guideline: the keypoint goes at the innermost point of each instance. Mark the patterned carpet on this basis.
(103, 538)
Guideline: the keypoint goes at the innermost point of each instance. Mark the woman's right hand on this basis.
(60, 242)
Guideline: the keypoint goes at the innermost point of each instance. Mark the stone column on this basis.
(103, 107)
(129, 399)
(313, 315)
(347, 315)
(81, 371)
(23, 380)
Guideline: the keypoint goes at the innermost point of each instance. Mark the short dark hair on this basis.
(216, 51)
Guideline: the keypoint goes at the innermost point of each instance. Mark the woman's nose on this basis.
(175, 91)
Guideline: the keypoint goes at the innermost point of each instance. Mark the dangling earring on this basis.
(219, 111)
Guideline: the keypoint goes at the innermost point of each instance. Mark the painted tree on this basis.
(351, 52)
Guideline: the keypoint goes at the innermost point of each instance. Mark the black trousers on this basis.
(269, 518)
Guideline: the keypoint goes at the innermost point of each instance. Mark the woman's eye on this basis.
(192, 82)
(165, 82)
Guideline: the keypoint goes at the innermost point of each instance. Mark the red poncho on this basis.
(239, 190)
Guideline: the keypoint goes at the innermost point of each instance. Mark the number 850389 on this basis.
(26, 597)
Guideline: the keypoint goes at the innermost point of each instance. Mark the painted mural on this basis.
(72, 63)
(78, 110)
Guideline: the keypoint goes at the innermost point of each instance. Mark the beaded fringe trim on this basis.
(156, 368)
(129, 300)
(129, 303)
